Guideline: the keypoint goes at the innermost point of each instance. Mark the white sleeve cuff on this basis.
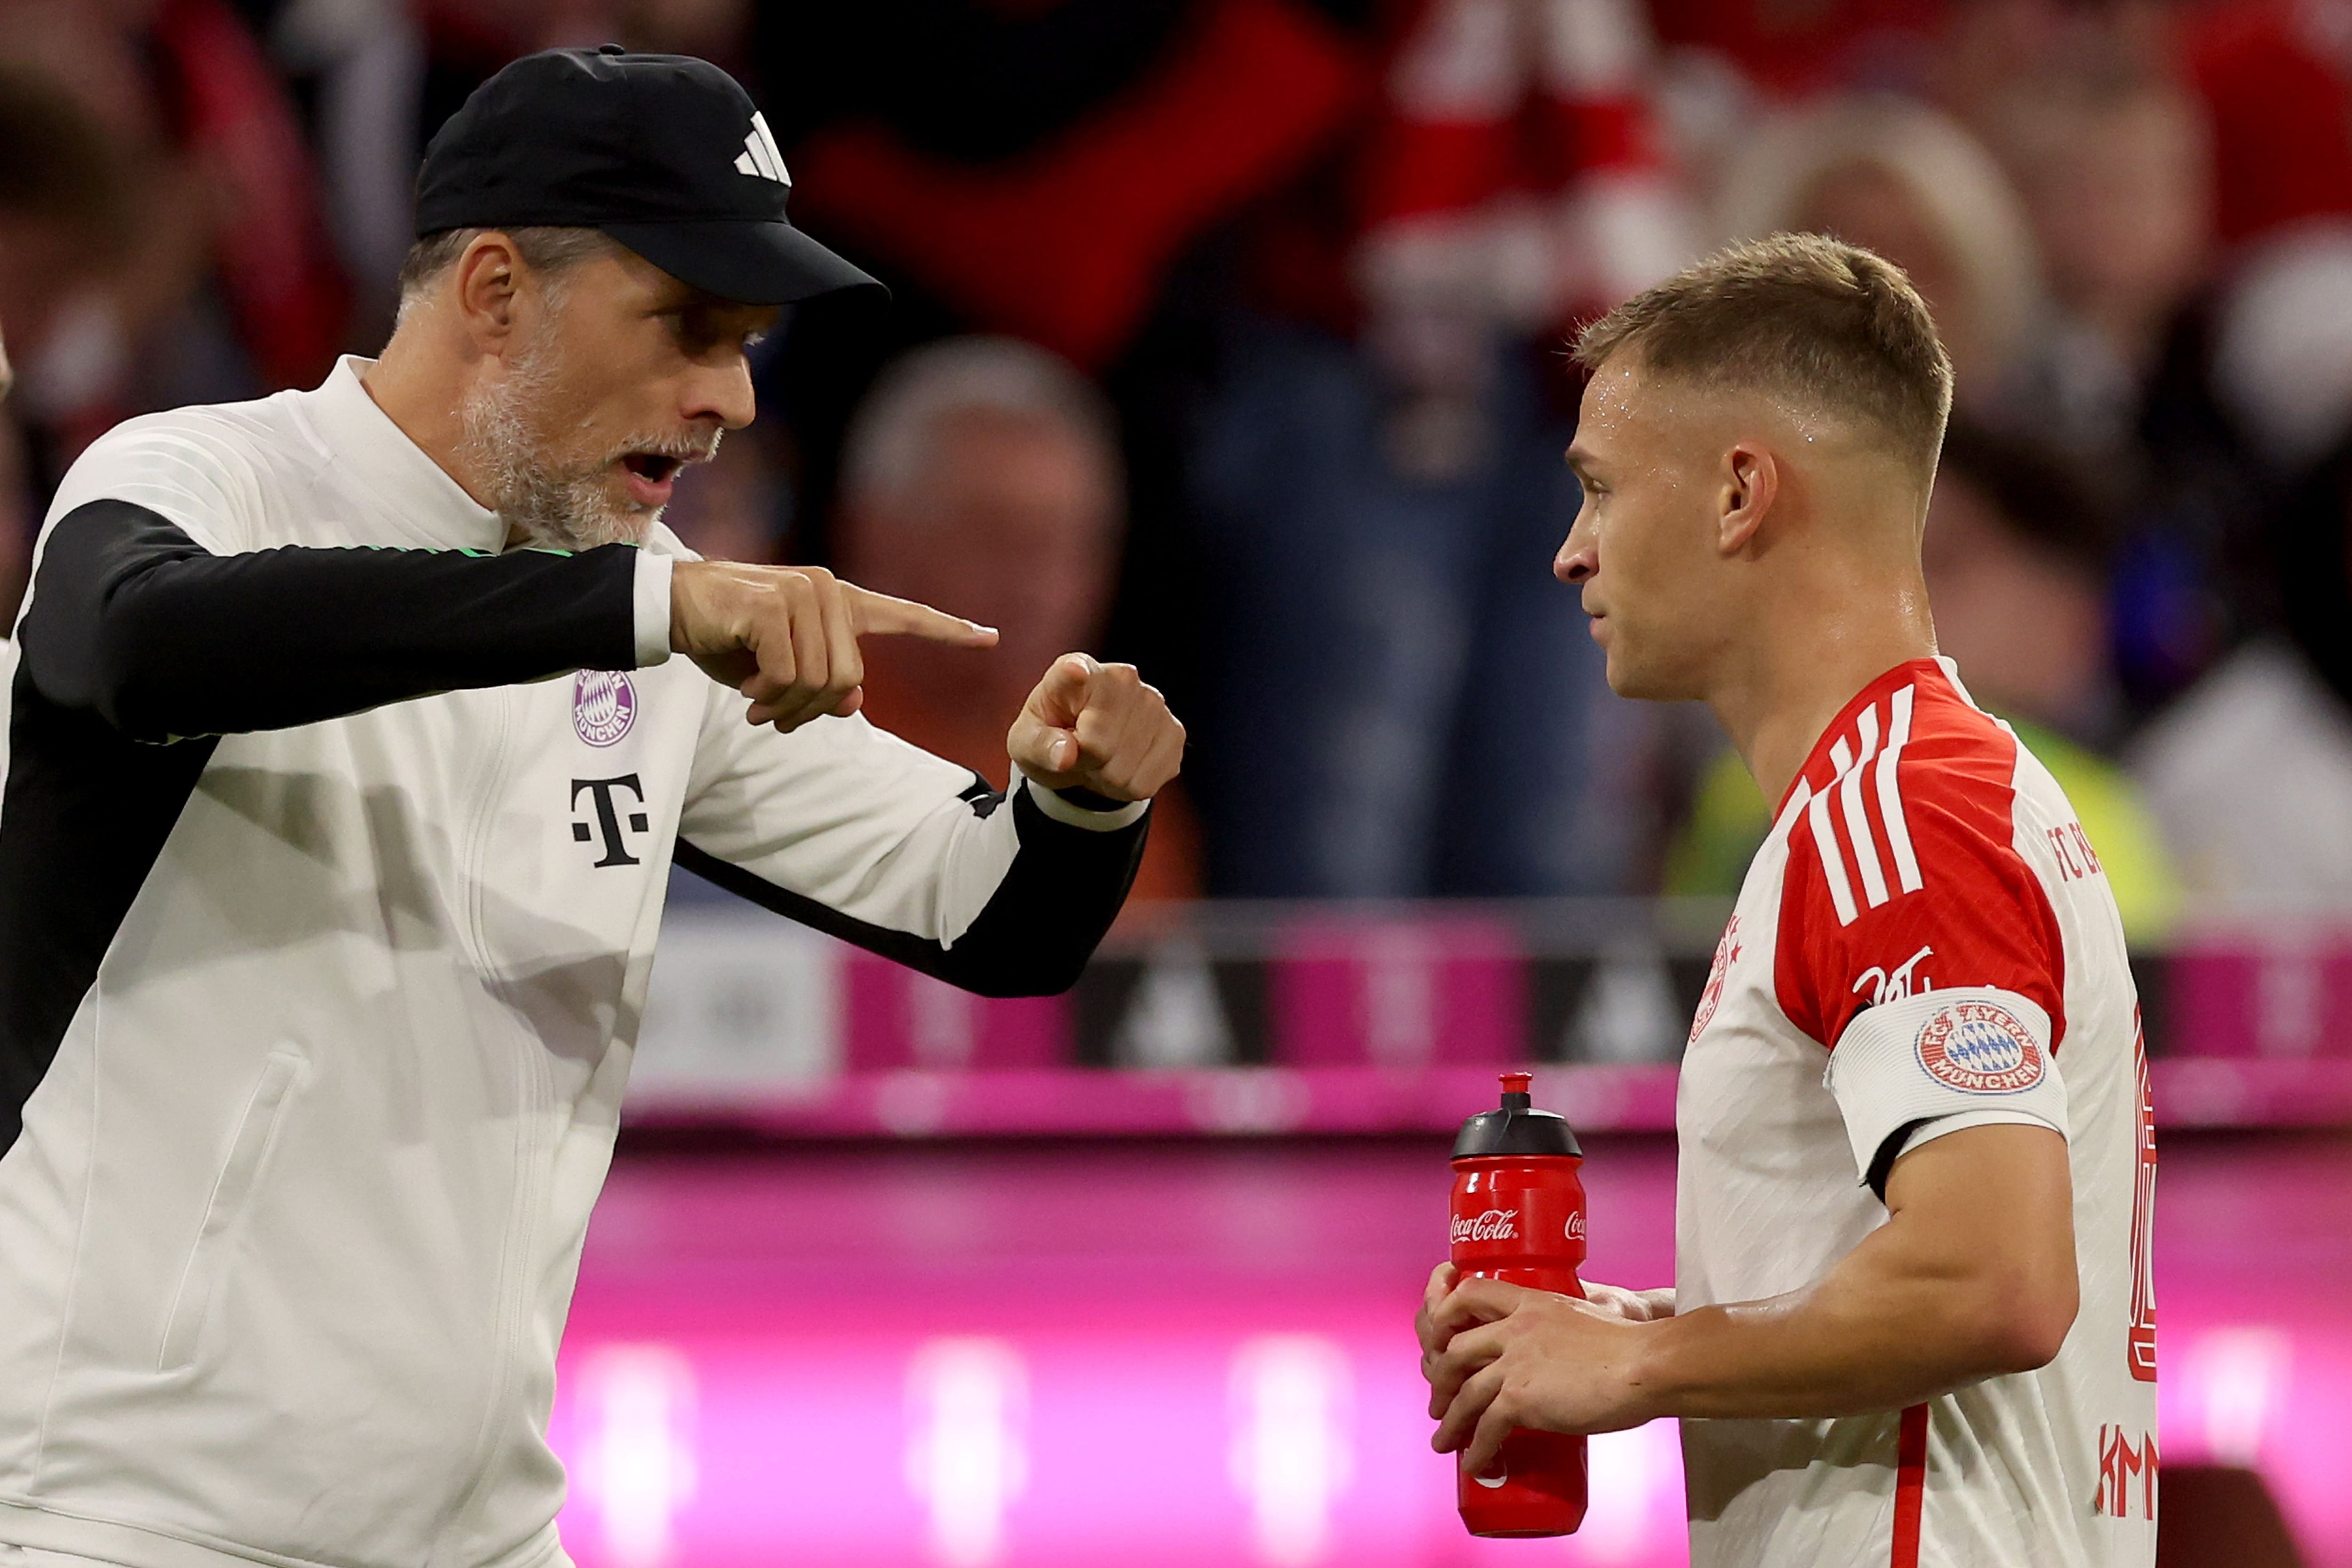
(1938, 1053)
(651, 599)
(1928, 1132)
(1061, 810)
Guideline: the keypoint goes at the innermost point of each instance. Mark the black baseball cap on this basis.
(664, 152)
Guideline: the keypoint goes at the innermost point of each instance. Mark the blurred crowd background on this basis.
(1228, 338)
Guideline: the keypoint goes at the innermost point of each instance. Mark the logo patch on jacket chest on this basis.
(603, 706)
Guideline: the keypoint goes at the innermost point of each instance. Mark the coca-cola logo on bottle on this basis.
(1494, 1224)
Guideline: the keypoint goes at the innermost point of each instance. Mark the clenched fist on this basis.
(786, 637)
(1098, 727)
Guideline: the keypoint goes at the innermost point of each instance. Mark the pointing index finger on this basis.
(872, 614)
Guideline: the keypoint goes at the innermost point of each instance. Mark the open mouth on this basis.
(648, 477)
(652, 467)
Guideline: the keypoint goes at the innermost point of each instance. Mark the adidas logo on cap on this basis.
(760, 157)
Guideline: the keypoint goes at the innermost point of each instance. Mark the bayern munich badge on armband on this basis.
(1980, 1047)
(603, 706)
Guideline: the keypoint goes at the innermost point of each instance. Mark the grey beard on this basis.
(559, 508)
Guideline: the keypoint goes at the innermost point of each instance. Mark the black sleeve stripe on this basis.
(135, 621)
(1882, 1164)
(85, 813)
(1033, 936)
(980, 795)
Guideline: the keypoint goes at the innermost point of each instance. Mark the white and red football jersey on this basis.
(1925, 942)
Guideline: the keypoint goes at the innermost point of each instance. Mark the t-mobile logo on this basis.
(608, 817)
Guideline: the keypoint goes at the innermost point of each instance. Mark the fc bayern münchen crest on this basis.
(603, 706)
(1981, 1048)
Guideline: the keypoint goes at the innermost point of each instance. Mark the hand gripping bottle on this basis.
(1518, 1216)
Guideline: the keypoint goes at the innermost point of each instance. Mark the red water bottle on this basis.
(1518, 1216)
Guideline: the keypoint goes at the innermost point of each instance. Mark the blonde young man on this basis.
(1912, 1320)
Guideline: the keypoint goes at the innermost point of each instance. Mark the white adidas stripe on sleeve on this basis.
(1890, 792)
(1857, 822)
(1817, 816)
(1846, 783)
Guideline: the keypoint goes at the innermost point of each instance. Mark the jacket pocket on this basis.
(248, 1155)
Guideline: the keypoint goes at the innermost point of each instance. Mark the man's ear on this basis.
(1751, 482)
(488, 277)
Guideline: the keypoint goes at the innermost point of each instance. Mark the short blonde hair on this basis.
(1821, 323)
(1954, 182)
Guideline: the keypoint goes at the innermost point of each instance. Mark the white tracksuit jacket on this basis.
(319, 1016)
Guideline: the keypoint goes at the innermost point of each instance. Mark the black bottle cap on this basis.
(1516, 1128)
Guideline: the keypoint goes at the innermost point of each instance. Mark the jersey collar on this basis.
(416, 493)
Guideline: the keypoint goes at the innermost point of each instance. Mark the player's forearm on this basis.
(134, 621)
(1893, 1324)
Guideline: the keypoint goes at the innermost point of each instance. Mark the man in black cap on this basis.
(347, 760)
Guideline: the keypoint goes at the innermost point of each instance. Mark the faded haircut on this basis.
(546, 250)
(1826, 324)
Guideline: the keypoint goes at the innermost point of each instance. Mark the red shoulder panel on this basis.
(1903, 873)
